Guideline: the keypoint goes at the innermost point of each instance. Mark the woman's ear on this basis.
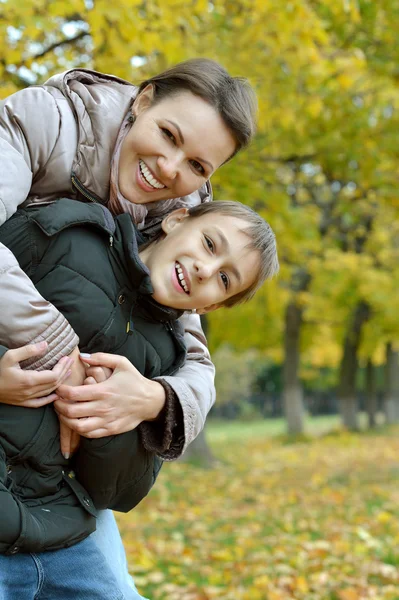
(143, 100)
(174, 218)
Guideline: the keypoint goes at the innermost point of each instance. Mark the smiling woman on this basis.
(144, 151)
(165, 154)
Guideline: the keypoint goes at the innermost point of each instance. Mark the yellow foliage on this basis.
(300, 522)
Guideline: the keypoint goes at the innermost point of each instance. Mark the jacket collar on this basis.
(128, 239)
(123, 236)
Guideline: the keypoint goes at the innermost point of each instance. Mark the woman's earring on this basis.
(132, 118)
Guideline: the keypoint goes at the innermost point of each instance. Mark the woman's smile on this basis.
(146, 178)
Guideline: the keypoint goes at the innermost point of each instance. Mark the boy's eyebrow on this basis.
(181, 137)
(225, 246)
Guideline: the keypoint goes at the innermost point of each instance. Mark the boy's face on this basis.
(201, 261)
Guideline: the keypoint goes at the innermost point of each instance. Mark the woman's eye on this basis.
(167, 133)
(209, 243)
(197, 167)
(225, 280)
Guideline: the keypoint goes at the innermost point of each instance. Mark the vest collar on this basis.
(128, 237)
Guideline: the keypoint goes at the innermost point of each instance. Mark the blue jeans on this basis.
(108, 540)
(76, 573)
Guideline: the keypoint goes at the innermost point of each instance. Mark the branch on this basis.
(64, 42)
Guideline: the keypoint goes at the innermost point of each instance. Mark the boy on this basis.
(119, 300)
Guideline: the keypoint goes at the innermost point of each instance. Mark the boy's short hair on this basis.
(261, 236)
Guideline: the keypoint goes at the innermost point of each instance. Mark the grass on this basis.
(271, 521)
(229, 431)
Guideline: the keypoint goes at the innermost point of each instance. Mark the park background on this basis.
(293, 493)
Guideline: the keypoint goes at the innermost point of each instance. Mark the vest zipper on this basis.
(81, 188)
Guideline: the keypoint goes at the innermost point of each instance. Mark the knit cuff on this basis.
(165, 435)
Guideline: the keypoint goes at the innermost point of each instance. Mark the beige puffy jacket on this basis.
(57, 140)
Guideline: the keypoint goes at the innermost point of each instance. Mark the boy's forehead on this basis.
(226, 223)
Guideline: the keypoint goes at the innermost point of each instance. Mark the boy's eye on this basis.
(167, 133)
(209, 243)
(197, 167)
(225, 280)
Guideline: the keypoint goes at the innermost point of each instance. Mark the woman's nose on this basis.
(169, 166)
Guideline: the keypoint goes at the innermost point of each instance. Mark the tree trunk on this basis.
(348, 367)
(391, 404)
(198, 452)
(292, 389)
(371, 396)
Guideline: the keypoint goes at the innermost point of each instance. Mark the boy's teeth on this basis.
(146, 173)
(181, 278)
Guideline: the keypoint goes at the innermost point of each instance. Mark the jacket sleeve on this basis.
(193, 385)
(26, 146)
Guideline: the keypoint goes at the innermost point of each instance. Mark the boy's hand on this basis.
(97, 374)
(30, 388)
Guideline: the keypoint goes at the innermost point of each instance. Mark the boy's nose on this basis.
(203, 270)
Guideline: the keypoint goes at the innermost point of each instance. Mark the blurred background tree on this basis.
(323, 170)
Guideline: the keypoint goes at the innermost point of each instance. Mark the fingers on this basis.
(98, 373)
(18, 355)
(65, 439)
(76, 410)
(112, 361)
(62, 369)
(38, 402)
(75, 441)
(80, 393)
(36, 384)
(89, 381)
(85, 427)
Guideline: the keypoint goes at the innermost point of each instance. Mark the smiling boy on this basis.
(123, 299)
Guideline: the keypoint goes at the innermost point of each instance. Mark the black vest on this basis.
(86, 263)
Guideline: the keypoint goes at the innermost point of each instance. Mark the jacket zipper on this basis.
(81, 188)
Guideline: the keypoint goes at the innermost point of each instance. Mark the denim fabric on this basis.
(108, 540)
(76, 573)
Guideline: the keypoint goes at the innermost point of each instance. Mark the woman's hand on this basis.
(114, 406)
(30, 388)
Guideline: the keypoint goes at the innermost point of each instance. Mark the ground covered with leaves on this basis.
(317, 519)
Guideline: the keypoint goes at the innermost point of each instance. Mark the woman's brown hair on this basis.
(232, 97)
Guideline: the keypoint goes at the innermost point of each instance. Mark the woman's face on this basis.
(172, 148)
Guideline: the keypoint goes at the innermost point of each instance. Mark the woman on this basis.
(144, 151)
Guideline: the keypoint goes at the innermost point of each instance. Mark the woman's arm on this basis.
(26, 147)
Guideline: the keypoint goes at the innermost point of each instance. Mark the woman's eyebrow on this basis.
(181, 137)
